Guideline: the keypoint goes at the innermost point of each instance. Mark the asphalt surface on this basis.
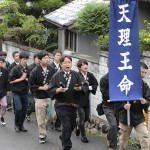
(12, 140)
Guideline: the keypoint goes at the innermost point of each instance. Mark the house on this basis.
(69, 40)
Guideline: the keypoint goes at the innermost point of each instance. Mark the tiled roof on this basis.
(66, 15)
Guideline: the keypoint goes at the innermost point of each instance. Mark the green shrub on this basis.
(13, 34)
(103, 42)
(47, 5)
(27, 29)
(93, 18)
(144, 41)
(13, 19)
(8, 7)
(29, 26)
(42, 38)
(3, 29)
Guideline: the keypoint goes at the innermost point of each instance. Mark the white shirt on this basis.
(85, 77)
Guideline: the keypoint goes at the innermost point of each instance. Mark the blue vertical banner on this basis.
(125, 82)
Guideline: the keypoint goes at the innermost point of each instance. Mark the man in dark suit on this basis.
(56, 65)
(90, 86)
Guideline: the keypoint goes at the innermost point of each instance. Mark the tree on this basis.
(144, 39)
(20, 27)
(93, 18)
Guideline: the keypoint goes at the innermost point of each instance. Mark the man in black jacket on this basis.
(31, 104)
(18, 77)
(4, 87)
(137, 120)
(63, 88)
(3, 54)
(39, 81)
(108, 108)
(56, 65)
(16, 59)
(90, 82)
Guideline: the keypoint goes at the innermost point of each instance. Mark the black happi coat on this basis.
(70, 95)
(136, 110)
(90, 81)
(37, 77)
(4, 85)
(32, 66)
(16, 73)
(54, 66)
(11, 66)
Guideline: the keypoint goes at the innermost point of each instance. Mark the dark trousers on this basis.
(21, 104)
(57, 122)
(8, 97)
(31, 104)
(113, 127)
(67, 117)
(83, 117)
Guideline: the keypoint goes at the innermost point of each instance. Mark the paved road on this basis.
(11, 140)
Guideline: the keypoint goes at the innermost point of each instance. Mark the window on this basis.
(70, 40)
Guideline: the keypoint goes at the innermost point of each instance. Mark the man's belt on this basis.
(66, 104)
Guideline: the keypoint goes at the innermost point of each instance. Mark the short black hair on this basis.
(14, 53)
(42, 54)
(2, 59)
(80, 62)
(24, 54)
(56, 51)
(3, 53)
(63, 58)
(35, 55)
(143, 65)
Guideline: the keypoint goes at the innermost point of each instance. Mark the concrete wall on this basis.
(85, 45)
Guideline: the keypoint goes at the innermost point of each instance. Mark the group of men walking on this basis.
(34, 86)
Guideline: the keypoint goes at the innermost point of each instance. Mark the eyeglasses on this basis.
(67, 62)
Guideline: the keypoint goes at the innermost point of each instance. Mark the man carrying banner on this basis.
(136, 116)
(124, 56)
(108, 109)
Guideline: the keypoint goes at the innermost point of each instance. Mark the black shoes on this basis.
(52, 126)
(58, 129)
(42, 140)
(17, 128)
(84, 139)
(22, 129)
(67, 148)
(2, 121)
(28, 118)
(9, 108)
(77, 131)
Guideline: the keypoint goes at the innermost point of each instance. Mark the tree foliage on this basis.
(8, 7)
(93, 18)
(144, 39)
(20, 27)
(46, 6)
